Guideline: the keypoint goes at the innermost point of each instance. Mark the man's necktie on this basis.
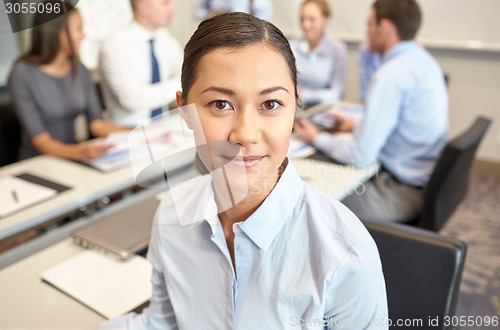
(155, 75)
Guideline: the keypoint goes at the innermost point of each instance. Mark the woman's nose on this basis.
(246, 128)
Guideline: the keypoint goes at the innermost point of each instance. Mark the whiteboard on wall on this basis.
(446, 23)
(460, 24)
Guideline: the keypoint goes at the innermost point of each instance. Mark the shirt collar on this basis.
(265, 223)
(304, 45)
(262, 226)
(144, 33)
(397, 49)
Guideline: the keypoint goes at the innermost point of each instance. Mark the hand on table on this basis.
(305, 130)
(342, 124)
(92, 150)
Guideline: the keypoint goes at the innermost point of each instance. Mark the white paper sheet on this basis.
(135, 146)
(16, 194)
(299, 149)
(111, 288)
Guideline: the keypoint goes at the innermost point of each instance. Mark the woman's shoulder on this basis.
(295, 42)
(22, 74)
(22, 67)
(329, 216)
(339, 237)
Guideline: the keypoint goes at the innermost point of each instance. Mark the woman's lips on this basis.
(245, 161)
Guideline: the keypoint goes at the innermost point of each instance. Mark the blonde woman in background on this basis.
(321, 58)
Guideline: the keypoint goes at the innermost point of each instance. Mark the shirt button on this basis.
(241, 249)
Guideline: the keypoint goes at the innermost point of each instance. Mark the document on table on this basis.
(319, 113)
(17, 193)
(109, 287)
(134, 146)
(299, 148)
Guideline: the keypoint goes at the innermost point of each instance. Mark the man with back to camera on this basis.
(405, 123)
(140, 65)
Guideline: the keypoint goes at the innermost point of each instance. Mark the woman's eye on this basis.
(220, 105)
(270, 105)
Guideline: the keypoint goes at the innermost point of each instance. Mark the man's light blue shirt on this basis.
(300, 258)
(406, 118)
(322, 71)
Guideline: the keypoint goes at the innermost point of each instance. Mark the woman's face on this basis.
(312, 21)
(76, 35)
(245, 100)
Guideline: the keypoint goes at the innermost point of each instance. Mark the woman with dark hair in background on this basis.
(50, 88)
(321, 58)
(250, 246)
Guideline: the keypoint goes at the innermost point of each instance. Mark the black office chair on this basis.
(422, 273)
(10, 129)
(450, 179)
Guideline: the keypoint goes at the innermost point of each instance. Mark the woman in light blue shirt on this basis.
(250, 246)
(321, 59)
(208, 8)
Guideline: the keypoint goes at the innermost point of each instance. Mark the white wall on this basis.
(474, 90)
(183, 24)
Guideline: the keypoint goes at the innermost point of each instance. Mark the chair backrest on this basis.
(422, 273)
(450, 179)
(10, 129)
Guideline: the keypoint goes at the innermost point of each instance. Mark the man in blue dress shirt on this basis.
(368, 62)
(405, 123)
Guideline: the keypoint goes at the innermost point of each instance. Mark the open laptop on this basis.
(121, 234)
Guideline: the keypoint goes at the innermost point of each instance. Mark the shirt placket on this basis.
(242, 259)
(218, 238)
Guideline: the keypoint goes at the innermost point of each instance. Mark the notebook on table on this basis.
(121, 234)
(24, 190)
(110, 287)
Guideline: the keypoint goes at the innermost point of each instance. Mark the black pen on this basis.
(14, 196)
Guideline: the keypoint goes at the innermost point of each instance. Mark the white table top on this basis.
(86, 185)
(334, 179)
(29, 303)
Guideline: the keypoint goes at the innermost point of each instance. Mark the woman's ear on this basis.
(183, 109)
(178, 99)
